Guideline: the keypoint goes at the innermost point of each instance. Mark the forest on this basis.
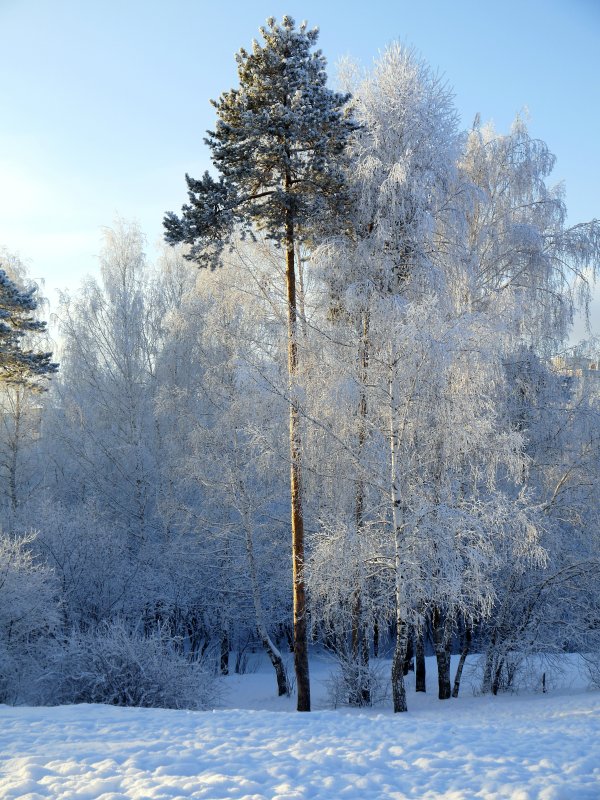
(339, 411)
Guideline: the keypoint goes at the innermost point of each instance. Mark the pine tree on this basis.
(18, 363)
(278, 145)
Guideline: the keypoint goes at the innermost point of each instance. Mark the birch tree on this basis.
(402, 175)
(524, 260)
(529, 270)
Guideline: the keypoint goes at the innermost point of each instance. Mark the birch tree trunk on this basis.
(398, 687)
(442, 634)
(463, 657)
(270, 648)
(360, 645)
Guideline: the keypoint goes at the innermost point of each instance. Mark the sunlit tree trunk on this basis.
(297, 520)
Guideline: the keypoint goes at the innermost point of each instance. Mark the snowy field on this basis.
(513, 747)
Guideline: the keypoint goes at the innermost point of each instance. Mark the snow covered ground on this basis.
(513, 747)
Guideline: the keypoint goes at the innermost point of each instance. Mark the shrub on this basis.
(28, 617)
(346, 683)
(117, 666)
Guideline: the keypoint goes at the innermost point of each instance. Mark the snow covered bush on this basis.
(116, 666)
(28, 617)
(354, 683)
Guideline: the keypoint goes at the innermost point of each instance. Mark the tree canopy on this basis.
(278, 147)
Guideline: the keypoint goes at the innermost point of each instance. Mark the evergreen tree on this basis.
(277, 145)
(18, 363)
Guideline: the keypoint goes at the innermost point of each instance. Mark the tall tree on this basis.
(24, 365)
(403, 175)
(277, 146)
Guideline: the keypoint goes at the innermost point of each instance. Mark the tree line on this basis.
(347, 349)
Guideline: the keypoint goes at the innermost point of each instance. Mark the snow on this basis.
(511, 747)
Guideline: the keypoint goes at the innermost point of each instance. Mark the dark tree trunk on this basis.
(224, 660)
(497, 676)
(463, 657)
(408, 657)
(398, 688)
(375, 639)
(420, 682)
(361, 692)
(441, 642)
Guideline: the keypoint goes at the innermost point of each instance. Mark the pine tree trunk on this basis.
(420, 680)
(299, 591)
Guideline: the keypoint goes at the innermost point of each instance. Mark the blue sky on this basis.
(105, 102)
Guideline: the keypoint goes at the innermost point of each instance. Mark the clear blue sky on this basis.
(104, 103)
